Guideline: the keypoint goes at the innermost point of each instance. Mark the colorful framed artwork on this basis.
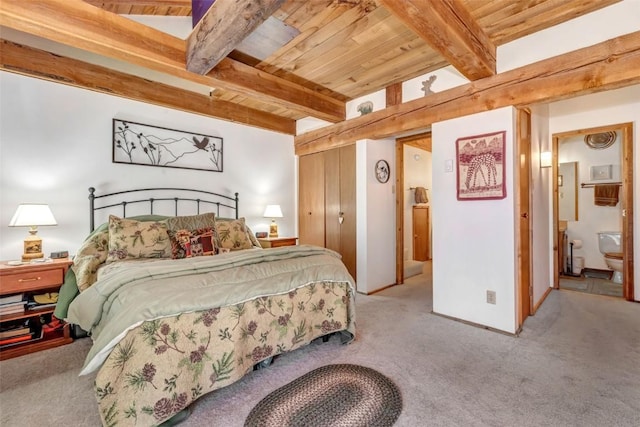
(481, 167)
(140, 144)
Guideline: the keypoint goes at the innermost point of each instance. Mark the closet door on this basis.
(332, 199)
(311, 199)
(340, 204)
(348, 208)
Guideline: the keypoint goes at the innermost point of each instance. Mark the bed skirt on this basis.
(162, 366)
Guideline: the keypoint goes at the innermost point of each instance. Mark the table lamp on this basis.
(273, 212)
(32, 215)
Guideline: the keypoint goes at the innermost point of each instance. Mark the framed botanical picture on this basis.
(140, 144)
(481, 167)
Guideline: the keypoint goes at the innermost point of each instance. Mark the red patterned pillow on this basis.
(191, 243)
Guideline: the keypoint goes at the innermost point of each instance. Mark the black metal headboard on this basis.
(213, 199)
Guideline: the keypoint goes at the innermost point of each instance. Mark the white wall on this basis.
(541, 211)
(603, 109)
(417, 173)
(473, 241)
(446, 78)
(591, 218)
(55, 142)
(376, 230)
(378, 99)
(568, 190)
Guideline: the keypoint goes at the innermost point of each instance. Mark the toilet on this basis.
(610, 244)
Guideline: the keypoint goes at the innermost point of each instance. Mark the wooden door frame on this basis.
(626, 134)
(399, 212)
(422, 141)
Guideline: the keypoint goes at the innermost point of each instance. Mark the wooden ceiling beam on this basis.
(223, 27)
(608, 65)
(132, 3)
(89, 28)
(393, 94)
(448, 27)
(44, 65)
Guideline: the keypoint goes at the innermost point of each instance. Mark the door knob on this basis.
(341, 217)
(525, 215)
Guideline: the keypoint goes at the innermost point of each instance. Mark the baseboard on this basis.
(381, 289)
(478, 325)
(539, 303)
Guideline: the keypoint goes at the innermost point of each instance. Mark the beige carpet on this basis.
(412, 268)
(577, 363)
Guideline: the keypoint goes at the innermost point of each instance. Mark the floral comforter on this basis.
(227, 313)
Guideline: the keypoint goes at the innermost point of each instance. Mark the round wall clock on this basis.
(382, 171)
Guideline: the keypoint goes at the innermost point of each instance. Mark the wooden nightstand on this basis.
(276, 242)
(32, 279)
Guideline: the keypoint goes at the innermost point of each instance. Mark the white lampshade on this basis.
(273, 211)
(32, 214)
(546, 158)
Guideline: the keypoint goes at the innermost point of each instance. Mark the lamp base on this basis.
(32, 248)
(273, 229)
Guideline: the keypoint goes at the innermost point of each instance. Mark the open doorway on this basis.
(593, 224)
(413, 185)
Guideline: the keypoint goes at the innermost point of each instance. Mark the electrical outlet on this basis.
(491, 297)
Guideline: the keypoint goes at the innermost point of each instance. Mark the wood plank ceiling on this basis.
(306, 59)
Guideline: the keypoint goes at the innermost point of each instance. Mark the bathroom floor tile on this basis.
(592, 286)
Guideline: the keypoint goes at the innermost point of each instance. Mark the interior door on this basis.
(525, 285)
(628, 274)
(421, 233)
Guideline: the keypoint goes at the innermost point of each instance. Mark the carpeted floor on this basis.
(576, 363)
(413, 268)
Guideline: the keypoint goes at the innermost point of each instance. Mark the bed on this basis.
(178, 306)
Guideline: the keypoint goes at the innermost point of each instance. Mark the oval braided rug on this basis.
(333, 395)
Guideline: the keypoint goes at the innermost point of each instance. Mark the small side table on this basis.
(276, 242)
(23, 281)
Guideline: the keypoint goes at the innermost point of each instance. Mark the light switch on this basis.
(448, 165)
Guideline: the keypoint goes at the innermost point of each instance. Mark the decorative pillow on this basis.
(129, 238)
(192, 222)
(191, 243)
(90, 256)
(93, 253)
(232, 234)
(252, 238)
